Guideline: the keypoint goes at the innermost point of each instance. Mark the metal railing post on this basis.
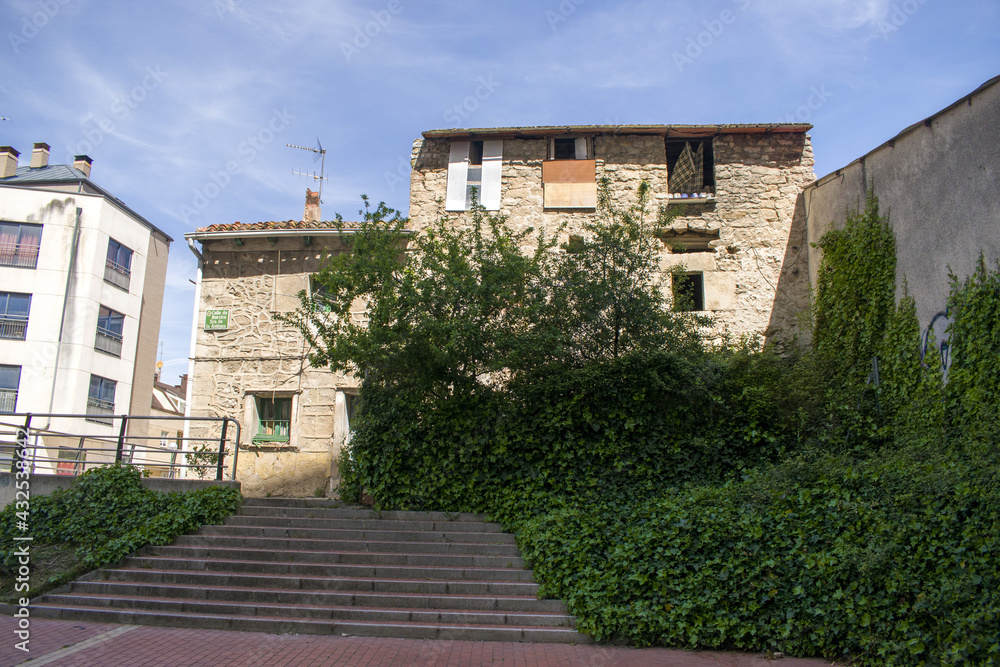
(222, 448)
(121, 439)
(236, 447)
(22, 444)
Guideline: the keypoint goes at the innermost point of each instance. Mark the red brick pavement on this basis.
(79, 644)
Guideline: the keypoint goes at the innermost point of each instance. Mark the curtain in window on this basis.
(688, 174)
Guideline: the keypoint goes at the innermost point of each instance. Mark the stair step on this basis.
(328, 569)
(288, 596)
(208, 540)
(339, 583)
(284, 625)
(331, 557)
(316, 566)
(305, 610)
(354, 534)
(366, 524)
(353, 514)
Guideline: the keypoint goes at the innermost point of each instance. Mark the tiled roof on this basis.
(272, 224)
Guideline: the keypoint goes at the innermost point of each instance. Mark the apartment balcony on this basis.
(100, 411)
(108, 342)
(8, 401)
(21, 255)
(117, 275)
(13, 328)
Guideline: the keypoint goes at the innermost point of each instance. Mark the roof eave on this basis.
(668, 131)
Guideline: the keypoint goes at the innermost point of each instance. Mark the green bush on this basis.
(107, 514)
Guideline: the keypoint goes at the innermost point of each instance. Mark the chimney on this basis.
(312, 213)
(182, 388)
(83, 163)
(8, 161)
(40, 156)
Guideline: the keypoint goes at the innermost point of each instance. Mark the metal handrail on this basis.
(119, 444)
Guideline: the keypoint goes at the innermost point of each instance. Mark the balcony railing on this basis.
(108, 342)
(273, 430)
(100, 411)
(116, 274)
(13, 328)
(8, 399)
(22, 255)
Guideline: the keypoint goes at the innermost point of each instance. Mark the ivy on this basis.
(842, 501)
(107, 514)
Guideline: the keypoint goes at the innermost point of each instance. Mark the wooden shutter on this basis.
(489, 194)
(581, 148)
(458, 176)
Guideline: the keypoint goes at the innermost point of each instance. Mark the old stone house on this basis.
(738, 186)
(248, 365)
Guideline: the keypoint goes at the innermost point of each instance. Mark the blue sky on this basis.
(186, 106)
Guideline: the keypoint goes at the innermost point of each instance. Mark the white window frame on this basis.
(459, 194)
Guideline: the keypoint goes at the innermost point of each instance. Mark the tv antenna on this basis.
(321, 158)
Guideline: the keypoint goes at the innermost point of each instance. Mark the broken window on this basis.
(689, 291)
(691, 166)
(569, 176)
(474, 166)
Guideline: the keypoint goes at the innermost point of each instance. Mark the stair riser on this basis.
(370, 615)
(326, 584)
(303, 626)
(334, 598)
(306, 512)
(358, 535)
(317, 570)
(327, 557)
(305, 544)
(359, 524)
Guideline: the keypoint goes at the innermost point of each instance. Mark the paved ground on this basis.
(80, 644)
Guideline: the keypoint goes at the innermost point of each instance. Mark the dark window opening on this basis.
(476, 153)
(689, 292)
(690, 176)
(564, 149)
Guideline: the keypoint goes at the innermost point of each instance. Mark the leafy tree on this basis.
(608, 298)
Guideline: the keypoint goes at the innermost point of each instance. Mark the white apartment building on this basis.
(81, 293)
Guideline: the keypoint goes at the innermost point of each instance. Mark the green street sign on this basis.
(216, 320)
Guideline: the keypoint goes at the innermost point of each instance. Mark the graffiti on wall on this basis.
(936, 335)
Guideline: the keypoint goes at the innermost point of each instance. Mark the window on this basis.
(689, 291)
(474, 165)
(569, 176)
(164, 439)
(274, 419)
(19, 244)
(101, 400)
(320, 294)
(690, 166)
(10, 377)
(118, 267)
(109, 332)
(14, 315)
(571, 148)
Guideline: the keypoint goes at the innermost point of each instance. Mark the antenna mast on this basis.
(321, 157)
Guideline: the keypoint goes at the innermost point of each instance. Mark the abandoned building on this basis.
(248, 365)
(737, 186)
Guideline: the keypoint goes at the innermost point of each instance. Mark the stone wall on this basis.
(260, 356)
(758, 178)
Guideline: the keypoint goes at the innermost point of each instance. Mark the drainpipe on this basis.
(194, 339)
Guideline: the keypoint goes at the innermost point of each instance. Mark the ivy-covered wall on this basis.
(937, 181)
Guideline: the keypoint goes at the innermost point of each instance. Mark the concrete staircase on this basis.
(312, 566)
